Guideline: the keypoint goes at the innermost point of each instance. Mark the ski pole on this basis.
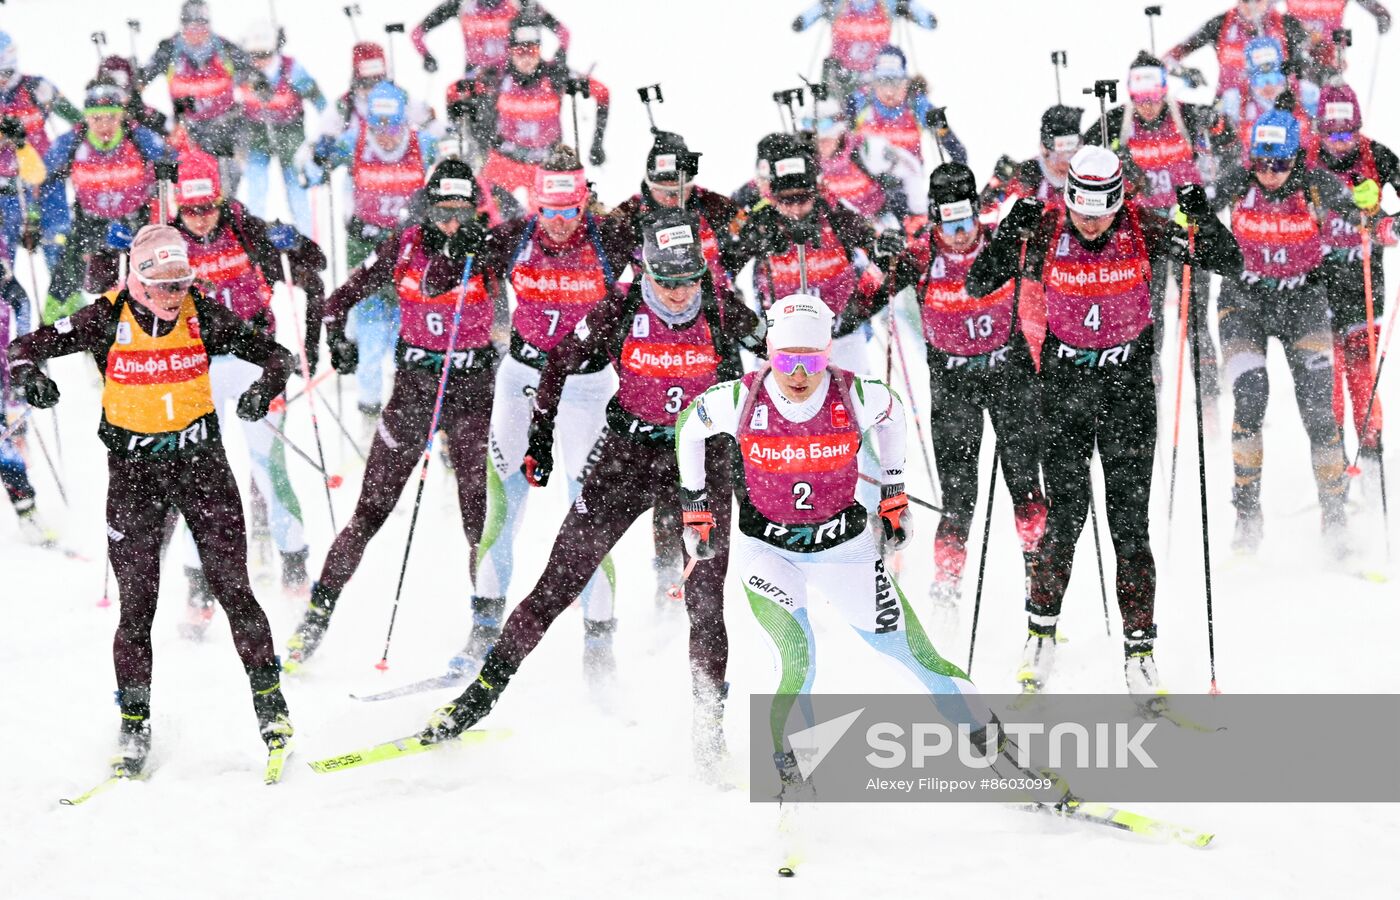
(133, 28)
(351, 12)
(53, 470)
(344, 432)
(573, 87)
(99, 43)
(306, 379)
(1106, 90)
(996, 456)
(1367, 280)
(936, 120)
(913, 403)
(333, 481)
(38, 313)
(1341, 40)
(1059, 59)
(1098, 546)
(1152, 12)
(282, 403)
(391, 29)
(1201, 457)
(917, 501)
(335, 271)
(646, 94)
(383, 664)
(1184, 315)
(106, 600)
(982, 562)
(1368, 284)
(1352, 468)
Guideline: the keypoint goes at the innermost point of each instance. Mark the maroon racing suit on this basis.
(978, 359)
(428, 283)
(151, 471)
(1096, 390)
(660, 368)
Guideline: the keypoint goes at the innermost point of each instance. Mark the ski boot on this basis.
(707, 728)
(199, 610)
(1038, 657)
(1140, 670)
(1249, 532)
(471, 706)
(32, 528)
(134, 742)
(304, 641)
(795, 786)
(487, 616)
(599, 663)
(270, 706)
(294, 578)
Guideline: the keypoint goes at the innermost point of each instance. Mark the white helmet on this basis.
(1095, 183)
(261, 37)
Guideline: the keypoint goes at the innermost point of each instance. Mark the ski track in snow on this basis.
(581, 804)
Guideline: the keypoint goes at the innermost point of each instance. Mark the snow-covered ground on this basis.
(584, 804)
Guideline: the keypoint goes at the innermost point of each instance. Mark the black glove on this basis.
(763, 234)
(797, 24)
(1024, 216)
(470, 237)
(253, 405)
(1193, 77)
(1194, 203)
(888, 245)
(539, 456)
(806, 230)
(429, 62)
(596, 156)
(30, 236)
(1382, 21)
(901, 8)
(12, 130)
(345, 356)
(38, 389)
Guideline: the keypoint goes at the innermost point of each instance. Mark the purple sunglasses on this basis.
(811, 363)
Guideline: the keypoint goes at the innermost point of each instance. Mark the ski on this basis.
(404, 746)
(1112, 817)
(417, 687)
(106, 784)
(276, 762)
(1157, 708)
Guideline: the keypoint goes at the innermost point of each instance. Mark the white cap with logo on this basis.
(799, 321)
